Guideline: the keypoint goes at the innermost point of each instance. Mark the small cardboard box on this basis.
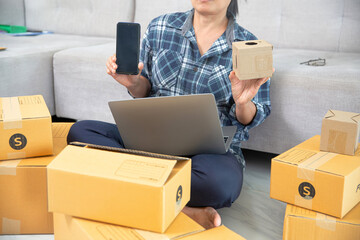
(300, 223)
(340, 132)
(321, 181)
(23, 190)
(71, 228)
(252, 59)
(25, 127)
(119, 186)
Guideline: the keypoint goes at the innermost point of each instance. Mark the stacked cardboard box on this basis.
(325, 182)
(96, 190)
(23, 190)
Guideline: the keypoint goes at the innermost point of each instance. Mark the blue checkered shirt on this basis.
(174, 66)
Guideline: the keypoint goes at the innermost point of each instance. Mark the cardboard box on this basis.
(217, 233)
(119, 186)
(340, 132)
(72, 228)
(300, 223)
(23, 190)
(252, 59)
(183, 227)
(25, 127)
(321, 181)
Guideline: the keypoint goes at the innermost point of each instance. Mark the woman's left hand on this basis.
(245, 90)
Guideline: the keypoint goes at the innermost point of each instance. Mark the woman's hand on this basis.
(137, 85)
(243, 92)
(129, 81)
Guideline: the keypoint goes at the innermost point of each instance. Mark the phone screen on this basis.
(127, 48)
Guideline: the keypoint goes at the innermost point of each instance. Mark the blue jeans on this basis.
(216, 179)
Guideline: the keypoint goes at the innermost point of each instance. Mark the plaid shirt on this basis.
(174, 66)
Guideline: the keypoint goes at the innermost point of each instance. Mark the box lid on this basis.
(353, 217)
(348, 117)
(115, 163)
(308, 155)
(24, 107)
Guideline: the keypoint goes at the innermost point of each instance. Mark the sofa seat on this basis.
(82, 86)
(302, 94)
(26, 65)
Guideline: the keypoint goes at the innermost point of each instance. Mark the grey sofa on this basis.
(68, 67)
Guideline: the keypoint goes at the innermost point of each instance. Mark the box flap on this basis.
(216, 233)
(348, 117)
(182, 226)
(353, 217)
(113, 164)
(308, 156)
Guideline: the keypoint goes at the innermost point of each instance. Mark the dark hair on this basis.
(233, 8)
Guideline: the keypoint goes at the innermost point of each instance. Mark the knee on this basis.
(218, 190)
(77, 130)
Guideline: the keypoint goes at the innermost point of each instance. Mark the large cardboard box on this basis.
(321, 181)
(25, 127)
(300, 223)
(119, 186)
(340, 132)
(71, 228)
(183, 227)
(23, 190)
(252, 59)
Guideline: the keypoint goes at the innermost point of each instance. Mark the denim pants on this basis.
(216, 179)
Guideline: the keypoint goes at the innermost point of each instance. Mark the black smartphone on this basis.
(127, 48)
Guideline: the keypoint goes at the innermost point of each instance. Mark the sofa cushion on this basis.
(12, 12)
(146, 10)
(82, 86)
(86, 17)
(301, 95)
(26, 66)
(307, 24)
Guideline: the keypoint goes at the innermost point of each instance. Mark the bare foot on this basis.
(207, 217)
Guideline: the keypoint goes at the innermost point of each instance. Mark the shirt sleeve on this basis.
(263, 109)
(146, 55)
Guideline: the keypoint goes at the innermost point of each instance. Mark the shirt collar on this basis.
(188, 24)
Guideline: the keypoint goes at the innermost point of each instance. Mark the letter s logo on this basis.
(179, 194)
(17, 141)
(306, 190)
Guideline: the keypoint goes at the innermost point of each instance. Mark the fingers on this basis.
(232, 77)
(140, 66)
(111, 65)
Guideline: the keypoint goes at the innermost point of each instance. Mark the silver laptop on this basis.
(177, 125)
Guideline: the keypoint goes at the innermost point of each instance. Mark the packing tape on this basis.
(306, 169)
(11, 113)
(16, 155)
(10, 226)
(325, 222)
(302, 202)
(337, 141)
(8, 167)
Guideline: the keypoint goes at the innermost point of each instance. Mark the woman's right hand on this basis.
(129, 81)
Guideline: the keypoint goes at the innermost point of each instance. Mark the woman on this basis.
(190, 53)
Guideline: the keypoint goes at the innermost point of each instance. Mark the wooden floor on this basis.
(253, 215)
